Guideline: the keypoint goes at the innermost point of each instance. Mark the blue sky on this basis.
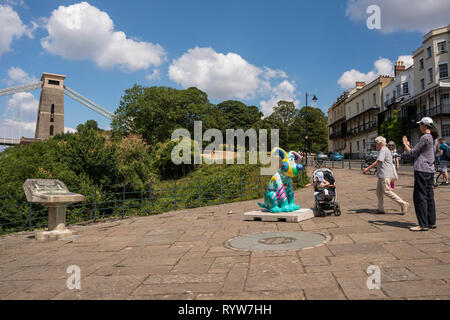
(253, 51)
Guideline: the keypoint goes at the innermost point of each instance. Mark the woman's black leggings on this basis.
(424, 198)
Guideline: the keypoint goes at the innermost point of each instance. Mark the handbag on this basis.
(395, 175)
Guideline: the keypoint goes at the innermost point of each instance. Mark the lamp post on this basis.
(306, 123)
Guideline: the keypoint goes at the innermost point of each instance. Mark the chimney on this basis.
(360, 84)
(399, 67)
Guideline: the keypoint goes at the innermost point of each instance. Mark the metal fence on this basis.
(122, 200)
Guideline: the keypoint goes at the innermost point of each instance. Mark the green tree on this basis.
(90, 124)
(310, 122)
(286, 112)
(154, 112)
(238, 115)
(391, 129)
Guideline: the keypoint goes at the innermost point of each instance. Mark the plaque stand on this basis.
(55, 195)
(56, 224)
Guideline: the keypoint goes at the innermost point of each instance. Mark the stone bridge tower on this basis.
(50, 120)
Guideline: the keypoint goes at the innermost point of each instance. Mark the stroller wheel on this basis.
(337, 212)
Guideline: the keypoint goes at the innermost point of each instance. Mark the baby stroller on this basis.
(325, 201)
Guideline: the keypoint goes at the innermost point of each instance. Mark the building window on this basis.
(53, 82)
(430, 75)
(445, 100)
(52, 114)
(362, 104)
(364, 144)
(428, 52)
(422, 84)
(431, 102)
(446, 130)
(51, 130)
(442, 46)
(357, 145)
(398, 91)
(374, 96)
(443, 70)
(421, 64)
(357, 107)
(405, 88)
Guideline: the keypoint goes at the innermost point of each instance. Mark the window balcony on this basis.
(411, 118)
(362, 128)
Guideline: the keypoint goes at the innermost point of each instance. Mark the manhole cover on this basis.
(274, 241)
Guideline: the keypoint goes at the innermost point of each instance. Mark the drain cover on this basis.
(273, 241)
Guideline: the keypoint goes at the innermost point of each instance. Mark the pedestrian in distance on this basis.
(393, 148)
(444, 150)
(386, 174)
(424, 154)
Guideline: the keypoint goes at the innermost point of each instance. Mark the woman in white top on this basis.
(386, 173)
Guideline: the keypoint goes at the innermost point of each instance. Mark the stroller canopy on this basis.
(327, 174)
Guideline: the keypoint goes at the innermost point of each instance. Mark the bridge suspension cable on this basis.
(27, 87)
(88, 101)
(87, 105)
(69, 92)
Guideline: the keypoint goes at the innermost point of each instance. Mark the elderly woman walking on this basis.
(424, 169)
(386, 174)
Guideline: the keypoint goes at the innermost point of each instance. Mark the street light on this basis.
(306, 121)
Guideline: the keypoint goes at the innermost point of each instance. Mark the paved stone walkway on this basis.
(180, 255)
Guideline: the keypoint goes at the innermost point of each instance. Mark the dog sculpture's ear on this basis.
(296, 156)
(281, 153)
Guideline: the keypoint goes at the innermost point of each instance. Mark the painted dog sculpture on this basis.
(279, 195)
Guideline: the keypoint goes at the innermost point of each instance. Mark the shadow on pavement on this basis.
(396, 224)
(369, 211)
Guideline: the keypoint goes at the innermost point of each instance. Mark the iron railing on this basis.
(122, 200)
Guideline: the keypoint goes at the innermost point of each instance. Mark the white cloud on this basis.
(273, 74)
(408, 60)
(11, 27)
(23, 105)
(221, 76)
(69, 130)
(155, 75)
(81, 31)
(15, 129)
(20, 3)
(382, 66)
(407, 15)
(17, 77)
(21, 108)
(283, 91)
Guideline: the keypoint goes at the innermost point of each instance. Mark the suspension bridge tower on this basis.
(50, 119)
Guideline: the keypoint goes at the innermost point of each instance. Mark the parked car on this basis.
(321, 156)
(371, 156)
(405, 157)
(335, 156)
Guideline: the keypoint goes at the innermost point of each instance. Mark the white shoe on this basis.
(405, 207)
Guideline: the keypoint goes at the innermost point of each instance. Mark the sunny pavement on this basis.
(181, 254)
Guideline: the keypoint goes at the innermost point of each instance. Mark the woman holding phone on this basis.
(424, 169)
